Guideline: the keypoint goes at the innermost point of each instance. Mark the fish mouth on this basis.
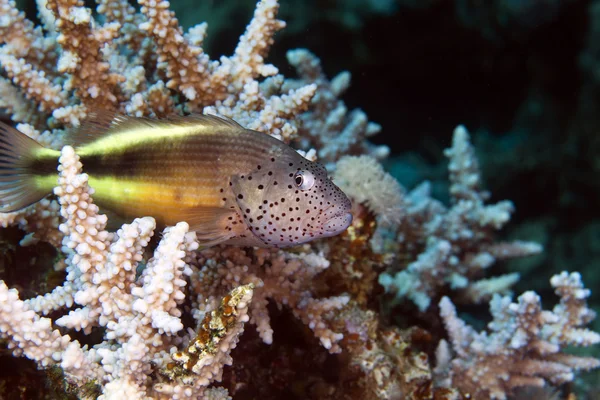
(338, 223)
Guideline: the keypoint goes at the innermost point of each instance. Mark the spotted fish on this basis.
(232, 185)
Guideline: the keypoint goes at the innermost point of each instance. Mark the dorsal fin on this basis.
(97, 124)
(204, 119)
(103, 123)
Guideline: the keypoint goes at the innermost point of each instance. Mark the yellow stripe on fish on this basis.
(232, 185)
(130, 133)
(137, 197)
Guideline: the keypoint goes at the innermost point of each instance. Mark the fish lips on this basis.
(338, 223)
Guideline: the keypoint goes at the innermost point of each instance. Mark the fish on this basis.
(232, 185)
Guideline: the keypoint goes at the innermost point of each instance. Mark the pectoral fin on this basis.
(211, 224)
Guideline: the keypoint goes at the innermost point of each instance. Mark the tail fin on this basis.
(18, 156)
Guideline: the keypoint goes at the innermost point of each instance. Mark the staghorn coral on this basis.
(279, 275)
(523, 347)
(218, 331)
(452, 247)
(328, 125)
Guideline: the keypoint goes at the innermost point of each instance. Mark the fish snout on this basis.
(338, 223)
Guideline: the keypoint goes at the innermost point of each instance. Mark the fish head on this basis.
(291, 201)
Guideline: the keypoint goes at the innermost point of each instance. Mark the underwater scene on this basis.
(316, 199)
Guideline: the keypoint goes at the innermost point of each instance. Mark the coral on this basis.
(452, 247)
(355, 259)
(278, 275)
(363, 179)
(524, 345)
(208, 352)
(328, 126)
(388, 363)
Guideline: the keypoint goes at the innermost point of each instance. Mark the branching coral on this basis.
(329, 126)
(281, 276)
(453, 247)
(524, 345)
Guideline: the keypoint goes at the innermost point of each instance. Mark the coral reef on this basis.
(144, 317)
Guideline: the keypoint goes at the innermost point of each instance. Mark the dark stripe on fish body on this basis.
(44, 165)
(194, 156)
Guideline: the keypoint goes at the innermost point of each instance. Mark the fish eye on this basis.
(304, 180)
